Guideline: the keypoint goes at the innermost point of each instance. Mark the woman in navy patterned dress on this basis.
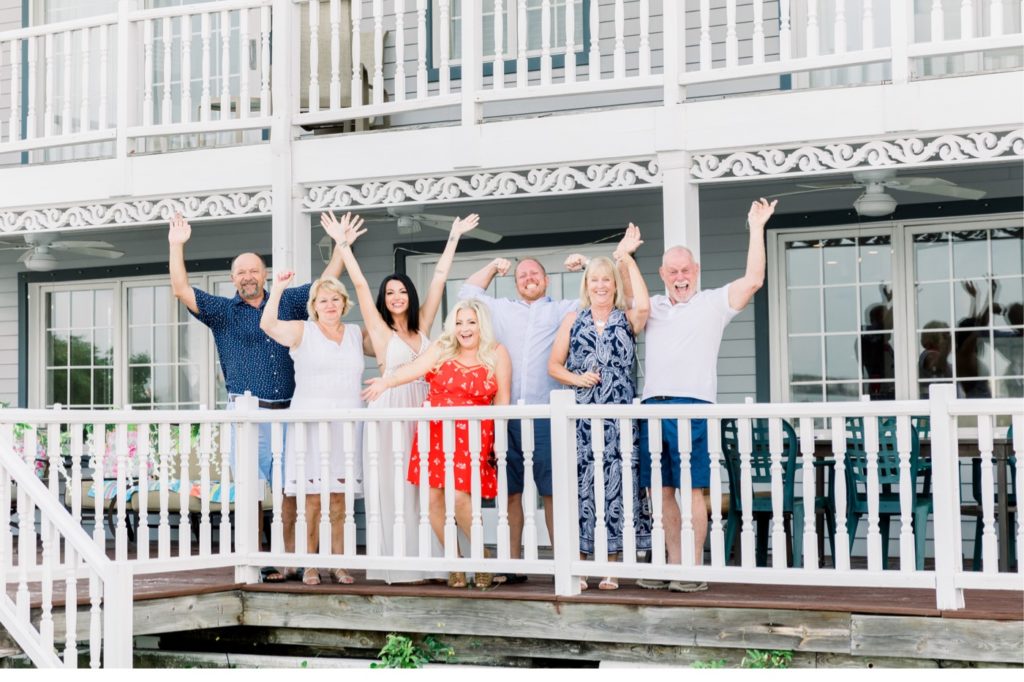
(594, 352)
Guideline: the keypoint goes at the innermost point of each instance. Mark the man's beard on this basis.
(249, 292)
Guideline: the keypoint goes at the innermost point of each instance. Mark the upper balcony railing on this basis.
(143, 80)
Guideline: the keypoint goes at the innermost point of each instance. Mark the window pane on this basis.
(104, 308)
(140, 345)
(970, 254)
(81, 348)
(81, 387)
(188, 384)
(971, 303)
(139, 387)
(102, 349)
(934, 360)
(103, 387)
(56, 349)
(802, 264)
(841, 357)
(877, 356)
(163, 384)
(933, 304)
(875, 259)
(162, 344)
(1008, 296)
(840, 262)
(808, 393)
(1010, 388)
(876, 302)
(57, 387)
(163, 305)
(842, 392)
(1009, 352)
(805, 358)
(140, 305)
(60, 310)
(840, 309)
(81, 309)
(931, 256)
(1008, 251)
(804, 311)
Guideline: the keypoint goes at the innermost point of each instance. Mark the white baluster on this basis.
(687, 540)
(785, 33)
(501, 455)
(244, 105)
(265, 61)
(147, 70)
(476, 527)
(645, 38)
(121, 527)
(95, 619)
(166, 37)
(65, 116)
(224, 541)
(142, 454)
(33, 88)
(938, 22)
(324, 434)
(778, 524)
(600, 527)
(498, 73)
(839, 28)
(995, 13)
(14, 121)
(104, 39)
(545, 42)
(314, 56)
(705, 35)
(423, 447)
(75, 449)
(874, 536)
(204, 35)
(1013, 469)
(53, 457)
(184, 489)
(842, 548)
(225, 65)
(810, 538)
(185, 82)
(731, 41)
(619, 54)
(594, 56)
(657, 501)
(46, 584)
(718, 551)
(989, 540)
(99, 446)
(84, 123)
(51, 82)
(6, 539)
(746, 492)
(205, 529)
(867, 24)
(421, 44)
(299, 453)
(164, 524)
(26, 539)
(445, 47)
(371, 497)
(966, 19)
(812, 28)
(348, 433)
(357, 55)
(529, 498)
(522, 63)
(399, 83)
(277, 487)
(906, 492)
(398, 458)
(378, 51)
(629, 520)
(335, 89)
(451, 548)
(70, 606)
(758, 36)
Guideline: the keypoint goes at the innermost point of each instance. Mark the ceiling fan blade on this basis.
(940, 189)
(478, 233)
(831, 185)
(100, 253)
(62, 244)
(811, 191)
(25, 256)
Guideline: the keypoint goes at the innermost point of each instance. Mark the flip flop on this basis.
(271, 574)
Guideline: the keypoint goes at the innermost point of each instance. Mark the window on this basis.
(533, 29)
(888, 310)
(115, 343)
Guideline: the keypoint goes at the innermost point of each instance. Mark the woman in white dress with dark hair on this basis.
(397, 327)
(328, 358)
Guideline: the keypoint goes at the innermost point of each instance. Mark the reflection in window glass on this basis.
(77, 336)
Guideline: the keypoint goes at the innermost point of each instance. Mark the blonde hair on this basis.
(449, 343)
(598, 265)
(330, 284)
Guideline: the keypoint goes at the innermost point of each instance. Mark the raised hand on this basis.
(374, 389)
(575, 262)
(630, 242)
(760, 212)
(347, 230)
(501, 265)
(179, 231)
(461, 226)
(588, 379)
(282, 280)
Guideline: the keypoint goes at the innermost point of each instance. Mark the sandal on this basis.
(341, 576)
(271, 574)
(583, 585)
(608, 584)
(483, 580)
(311, 576)
(457, 579)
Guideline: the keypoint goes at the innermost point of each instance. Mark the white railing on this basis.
(60, 552)
(165, 464)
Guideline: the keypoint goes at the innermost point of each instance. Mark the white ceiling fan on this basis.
(412, 221)
(874, 201)
(41, 249)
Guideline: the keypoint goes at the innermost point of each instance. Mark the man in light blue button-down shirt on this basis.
(527, 327)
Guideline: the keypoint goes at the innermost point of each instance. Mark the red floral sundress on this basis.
(455, 385)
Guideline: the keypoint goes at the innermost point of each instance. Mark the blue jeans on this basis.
(700, 461)
(541, 457)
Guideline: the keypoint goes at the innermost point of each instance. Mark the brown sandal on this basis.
(311, 576)
(457, 579)
(341, 576)
(483, 580)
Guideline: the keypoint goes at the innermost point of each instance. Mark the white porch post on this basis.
(566, 497)
(290, 228)
(680, 202)
(945, 493)
(247, 492)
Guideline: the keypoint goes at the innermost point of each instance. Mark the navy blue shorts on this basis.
(700, 462)
(541, 457)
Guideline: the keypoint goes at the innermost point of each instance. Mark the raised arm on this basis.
(503, 372)
(634, 287)
(482, 277)
(285, 332)
(177, 235)
(409, 372)
(560, 352)
(428, 311)
(337, 263)
(744, 288)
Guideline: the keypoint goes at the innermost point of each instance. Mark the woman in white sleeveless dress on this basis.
(328, 358)
(396, 326)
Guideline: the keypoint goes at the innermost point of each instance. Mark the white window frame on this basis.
(905, 321)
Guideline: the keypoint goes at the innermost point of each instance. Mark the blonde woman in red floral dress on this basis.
(464, 367)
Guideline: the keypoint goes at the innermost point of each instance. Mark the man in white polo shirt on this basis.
(684, 332)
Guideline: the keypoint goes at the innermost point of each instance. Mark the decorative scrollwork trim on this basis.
(908, 151)
(487, 185)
